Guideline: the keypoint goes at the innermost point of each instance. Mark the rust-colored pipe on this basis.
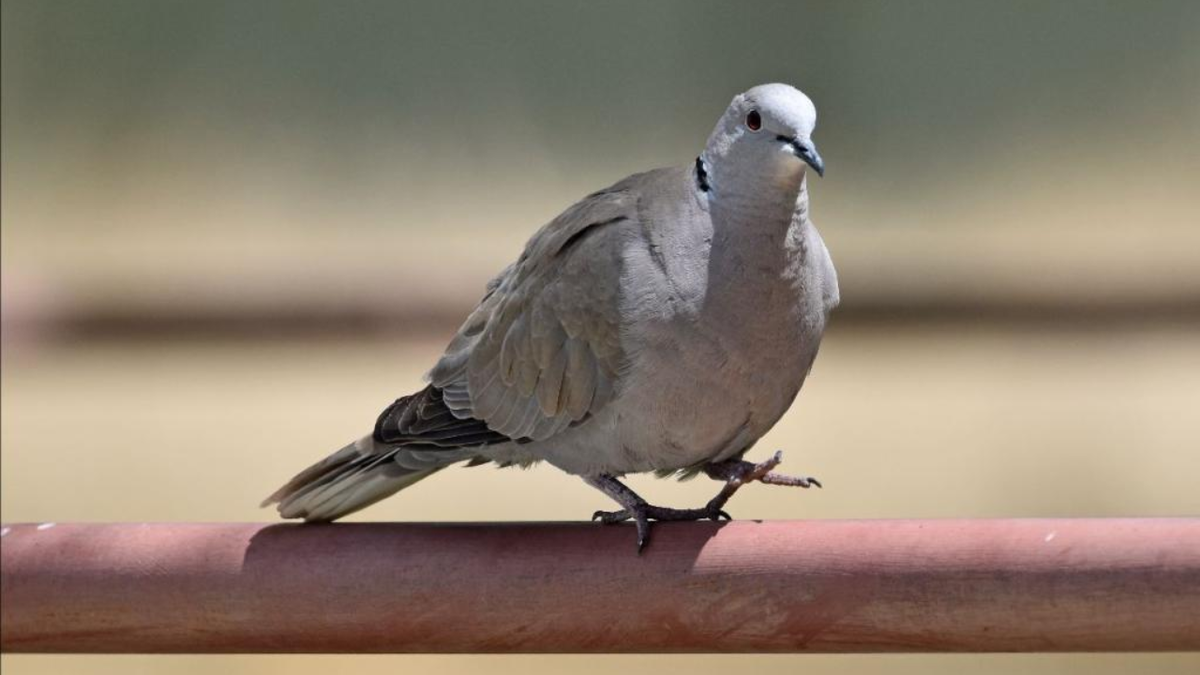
(800, 586)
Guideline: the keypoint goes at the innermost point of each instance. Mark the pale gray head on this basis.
(766, 133)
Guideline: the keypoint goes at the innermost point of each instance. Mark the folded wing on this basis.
(542, 350)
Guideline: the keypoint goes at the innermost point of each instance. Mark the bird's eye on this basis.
(753, 121)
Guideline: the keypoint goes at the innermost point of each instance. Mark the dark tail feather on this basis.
(353, 478)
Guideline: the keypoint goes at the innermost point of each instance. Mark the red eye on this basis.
(753, 121)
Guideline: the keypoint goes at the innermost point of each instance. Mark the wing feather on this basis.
(542, 350)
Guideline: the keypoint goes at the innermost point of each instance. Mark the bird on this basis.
(663, 324)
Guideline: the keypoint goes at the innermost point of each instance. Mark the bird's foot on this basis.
(737, 473)
(643, 513)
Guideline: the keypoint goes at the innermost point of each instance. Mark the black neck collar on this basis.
(702, 175)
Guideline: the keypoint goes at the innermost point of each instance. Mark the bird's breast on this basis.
(720, 364)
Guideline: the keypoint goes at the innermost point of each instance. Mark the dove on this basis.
(663, 324)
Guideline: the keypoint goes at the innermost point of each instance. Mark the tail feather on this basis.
(355, 477)
(414, 438)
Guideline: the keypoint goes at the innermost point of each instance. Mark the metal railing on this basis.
(783, 586)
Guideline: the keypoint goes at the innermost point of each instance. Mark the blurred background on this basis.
(233, 231)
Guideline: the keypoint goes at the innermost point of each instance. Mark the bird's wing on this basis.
(543, 350)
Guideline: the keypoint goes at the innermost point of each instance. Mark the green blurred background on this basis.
(233, 231)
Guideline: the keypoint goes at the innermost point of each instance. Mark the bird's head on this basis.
(767, 131)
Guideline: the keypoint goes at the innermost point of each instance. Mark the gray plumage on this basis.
(662, 324)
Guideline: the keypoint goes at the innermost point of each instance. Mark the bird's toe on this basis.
(611, 517)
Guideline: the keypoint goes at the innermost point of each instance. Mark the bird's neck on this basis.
(759, 221)
(764, 192)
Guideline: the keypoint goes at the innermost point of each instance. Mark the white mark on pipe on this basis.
(1050, 537)
(4, 531)
(45, 526)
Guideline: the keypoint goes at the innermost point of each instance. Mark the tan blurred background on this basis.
(233, 231)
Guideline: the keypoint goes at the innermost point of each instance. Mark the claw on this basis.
(643, 532)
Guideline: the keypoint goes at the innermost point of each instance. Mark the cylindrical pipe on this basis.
(799, 586)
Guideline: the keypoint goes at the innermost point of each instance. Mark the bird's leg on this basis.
(641, 512)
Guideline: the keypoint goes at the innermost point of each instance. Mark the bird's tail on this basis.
(355, 477)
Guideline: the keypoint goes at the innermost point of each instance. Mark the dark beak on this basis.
(806, 151)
